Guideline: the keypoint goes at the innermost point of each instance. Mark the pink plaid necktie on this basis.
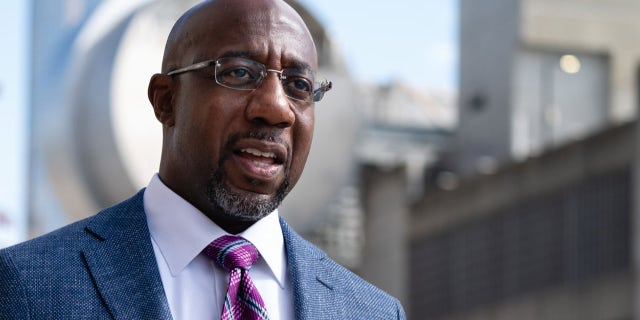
(236, 255)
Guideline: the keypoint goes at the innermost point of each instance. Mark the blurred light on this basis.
(570, 64)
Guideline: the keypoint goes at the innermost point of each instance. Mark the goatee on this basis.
(244, 206)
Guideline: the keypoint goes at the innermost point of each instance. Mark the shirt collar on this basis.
(181, 231)
(266, 236)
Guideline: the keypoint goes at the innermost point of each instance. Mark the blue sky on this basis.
(414, 41)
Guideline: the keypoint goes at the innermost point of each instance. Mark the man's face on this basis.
(237, 153)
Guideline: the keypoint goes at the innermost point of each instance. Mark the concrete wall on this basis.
(385, 253)
(608, 27)
(487, 208)
(494, 37)
(569, 164)
(488, 39)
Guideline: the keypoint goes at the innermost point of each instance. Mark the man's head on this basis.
(236, 130)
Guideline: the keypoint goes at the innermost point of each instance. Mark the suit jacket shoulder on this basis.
(323, 289)
(99, 267)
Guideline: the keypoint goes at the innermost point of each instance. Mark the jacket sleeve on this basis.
(13, 302)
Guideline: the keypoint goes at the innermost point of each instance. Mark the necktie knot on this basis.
(236, 255)
(232, 252)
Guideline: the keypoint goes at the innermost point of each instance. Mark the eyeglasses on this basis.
(245, 74)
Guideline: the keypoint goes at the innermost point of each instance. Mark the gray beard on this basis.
(243, 207)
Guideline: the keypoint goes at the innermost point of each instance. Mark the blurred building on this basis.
(535, 74)
(551, 237)
(404, 128)
(531, 214)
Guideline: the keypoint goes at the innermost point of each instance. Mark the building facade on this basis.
(542, 220)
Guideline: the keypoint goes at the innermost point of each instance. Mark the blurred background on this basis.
(476, 159)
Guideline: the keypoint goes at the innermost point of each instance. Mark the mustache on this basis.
(264, 135)
(258, 135)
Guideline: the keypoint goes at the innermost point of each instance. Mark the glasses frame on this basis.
(316, 94)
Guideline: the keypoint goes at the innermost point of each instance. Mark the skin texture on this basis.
(206, 126)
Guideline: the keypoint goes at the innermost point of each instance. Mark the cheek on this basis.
(306, 132)
(303, 136)
(193, 148)
(199, 133)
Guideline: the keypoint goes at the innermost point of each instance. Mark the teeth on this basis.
(261, 164)
(258, 153)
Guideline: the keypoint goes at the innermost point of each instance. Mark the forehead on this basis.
(269, 33)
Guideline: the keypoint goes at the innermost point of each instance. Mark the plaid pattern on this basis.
(236, 255)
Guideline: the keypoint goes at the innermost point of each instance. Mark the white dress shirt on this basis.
(195, 285)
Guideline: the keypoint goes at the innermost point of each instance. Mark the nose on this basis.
(269, 105)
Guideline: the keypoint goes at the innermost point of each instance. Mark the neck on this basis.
(230, 224)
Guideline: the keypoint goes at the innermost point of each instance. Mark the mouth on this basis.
(261, 158)
(260, 161)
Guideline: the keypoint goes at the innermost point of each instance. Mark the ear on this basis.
(161, 98)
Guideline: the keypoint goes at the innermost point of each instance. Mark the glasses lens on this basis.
(246, 74)
(239, 73)
(297, 85)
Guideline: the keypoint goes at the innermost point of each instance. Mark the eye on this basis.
(299, 84)
(238, 73)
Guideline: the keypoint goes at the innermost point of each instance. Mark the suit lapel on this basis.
(120, 258)
(314, 293)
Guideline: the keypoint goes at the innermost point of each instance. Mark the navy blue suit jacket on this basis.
(104, 267)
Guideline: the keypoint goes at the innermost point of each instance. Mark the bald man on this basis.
(235, 98)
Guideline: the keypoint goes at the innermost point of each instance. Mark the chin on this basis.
(243, 205)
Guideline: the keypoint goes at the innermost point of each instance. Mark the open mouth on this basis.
(260, 158)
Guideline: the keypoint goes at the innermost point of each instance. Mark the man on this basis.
(235, 99)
